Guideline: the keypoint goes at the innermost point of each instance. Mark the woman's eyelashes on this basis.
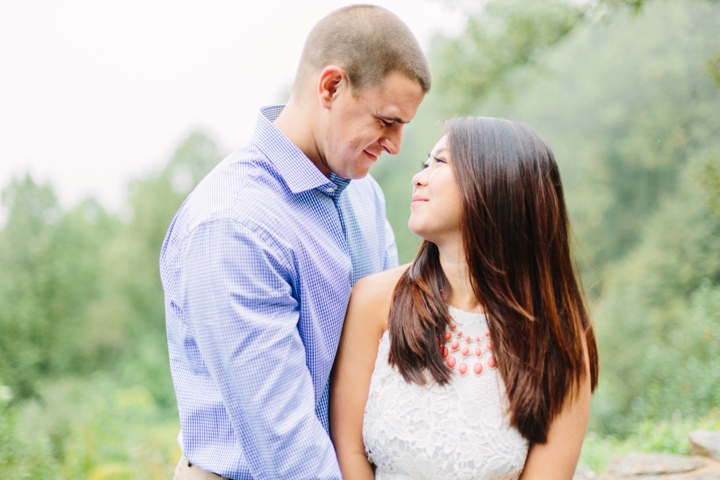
(426, 164)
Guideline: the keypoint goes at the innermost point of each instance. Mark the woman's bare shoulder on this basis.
(379, 284)
(372, 296)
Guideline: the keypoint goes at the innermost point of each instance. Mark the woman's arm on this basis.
(365, 323)
(557, 459)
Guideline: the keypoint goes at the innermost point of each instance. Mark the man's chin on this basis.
(356, 168)
(355, 173)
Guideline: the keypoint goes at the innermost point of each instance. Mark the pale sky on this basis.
(93, 94)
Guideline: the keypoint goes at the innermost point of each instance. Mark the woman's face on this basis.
(436, 208)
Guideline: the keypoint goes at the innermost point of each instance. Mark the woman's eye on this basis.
(385, 123)
(424, 165)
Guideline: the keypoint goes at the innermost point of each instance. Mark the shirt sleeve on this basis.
(236, 291)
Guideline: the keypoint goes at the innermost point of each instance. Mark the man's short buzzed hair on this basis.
(368, 42)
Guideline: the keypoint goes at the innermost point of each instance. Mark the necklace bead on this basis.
(491, 362)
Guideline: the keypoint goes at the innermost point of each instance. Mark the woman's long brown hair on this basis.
(516, 238)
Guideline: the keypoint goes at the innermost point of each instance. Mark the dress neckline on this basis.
(454, 310)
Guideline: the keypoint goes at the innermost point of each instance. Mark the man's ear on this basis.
(332, 80)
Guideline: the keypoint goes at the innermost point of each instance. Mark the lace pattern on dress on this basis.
(456, 431)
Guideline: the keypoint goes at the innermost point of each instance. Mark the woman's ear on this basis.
(332, 80)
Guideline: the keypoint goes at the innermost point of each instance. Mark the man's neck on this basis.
(296, 123)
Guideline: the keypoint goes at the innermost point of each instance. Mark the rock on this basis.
(705, 444)
(649, 464)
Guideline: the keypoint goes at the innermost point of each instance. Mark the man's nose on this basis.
(392, 140)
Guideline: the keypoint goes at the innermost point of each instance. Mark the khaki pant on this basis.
(187, 471)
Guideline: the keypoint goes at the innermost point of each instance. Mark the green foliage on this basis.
(507, 34)
(713, 67)
(50, 276)
(633, 5)
(673, 366)
(21, 456)
(711, 182)
(627, 106)
(96, 429)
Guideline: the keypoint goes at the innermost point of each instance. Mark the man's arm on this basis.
(236, 296)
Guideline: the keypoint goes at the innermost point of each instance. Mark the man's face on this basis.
(364, 125)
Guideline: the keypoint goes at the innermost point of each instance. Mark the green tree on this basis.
(49, 262)
(505, 35)
(711, 181)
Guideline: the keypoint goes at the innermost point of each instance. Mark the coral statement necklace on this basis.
(482, 345)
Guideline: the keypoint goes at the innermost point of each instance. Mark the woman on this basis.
(479, 359)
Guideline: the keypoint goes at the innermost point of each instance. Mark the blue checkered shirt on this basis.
(257, 268)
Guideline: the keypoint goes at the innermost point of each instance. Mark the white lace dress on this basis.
(456, 431)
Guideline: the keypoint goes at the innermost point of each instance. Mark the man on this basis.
(259, 261)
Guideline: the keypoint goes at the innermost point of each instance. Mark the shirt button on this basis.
(330, 190)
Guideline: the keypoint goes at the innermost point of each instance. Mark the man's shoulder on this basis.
(241, 188)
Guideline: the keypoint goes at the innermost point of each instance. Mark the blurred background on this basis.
(111, 113)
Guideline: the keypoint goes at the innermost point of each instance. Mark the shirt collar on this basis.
(297, 170)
